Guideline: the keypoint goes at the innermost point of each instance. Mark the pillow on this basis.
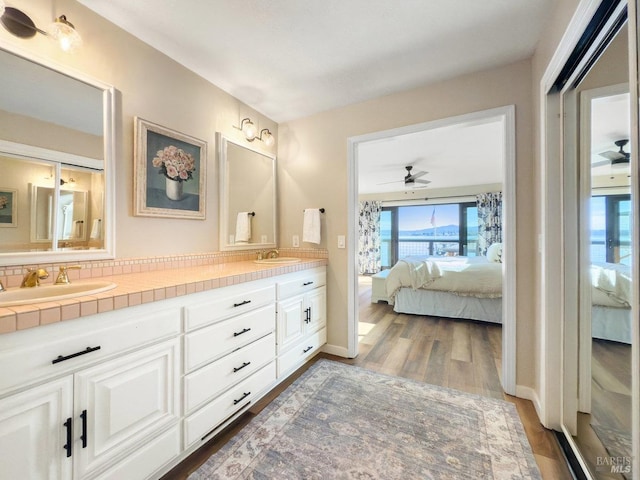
(494, 253)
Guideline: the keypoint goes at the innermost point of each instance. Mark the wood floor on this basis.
(452, 353)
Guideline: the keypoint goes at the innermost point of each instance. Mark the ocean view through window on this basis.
(437, 230)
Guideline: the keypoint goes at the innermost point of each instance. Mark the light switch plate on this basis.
(296, 241)
(341, 241)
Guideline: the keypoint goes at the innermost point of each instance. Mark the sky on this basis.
(419, 217)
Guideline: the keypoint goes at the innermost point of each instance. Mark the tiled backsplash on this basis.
(11, 276)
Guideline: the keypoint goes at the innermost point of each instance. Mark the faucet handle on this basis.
(63, 277)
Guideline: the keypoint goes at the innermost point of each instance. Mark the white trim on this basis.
(336, 350)
(550, 236)
(530, 394)
(507, 114)
(30, 152)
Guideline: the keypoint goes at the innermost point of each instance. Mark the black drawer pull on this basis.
(74, 355)
(83, 437)
(307, 283)
(68, 446)
(245, 330)
(241, 303)
(306, 349)
(246, 394)
(244, 364)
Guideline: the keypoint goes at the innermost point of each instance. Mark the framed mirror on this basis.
(56, 155)
(247, 196)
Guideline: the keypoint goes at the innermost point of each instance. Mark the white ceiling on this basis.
(470, 153)
(292, 58)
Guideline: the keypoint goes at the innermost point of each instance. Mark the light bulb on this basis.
(249, 130)
(268, 139)
(2, 5)
(65, 34)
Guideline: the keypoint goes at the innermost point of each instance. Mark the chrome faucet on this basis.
(63, 278)
(33, 276)
(272, 253)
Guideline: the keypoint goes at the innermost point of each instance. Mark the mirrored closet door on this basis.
(598, 331)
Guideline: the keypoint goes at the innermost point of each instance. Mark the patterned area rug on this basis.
(342, 422)
(617, 443)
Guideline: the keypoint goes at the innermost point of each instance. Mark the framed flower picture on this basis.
(8, 207)
(169, 172)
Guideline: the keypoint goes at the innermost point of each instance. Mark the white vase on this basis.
(174, 189)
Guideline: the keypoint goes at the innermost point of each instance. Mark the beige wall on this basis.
(313, 173)
(157, 89)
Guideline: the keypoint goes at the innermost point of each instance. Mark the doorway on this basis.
(507, 119)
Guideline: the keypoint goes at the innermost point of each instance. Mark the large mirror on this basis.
(247, 196)
(56, 149)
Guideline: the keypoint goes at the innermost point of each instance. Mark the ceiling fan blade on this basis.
(611, 155)
(417, 175)
(387, 183)
(424, 182)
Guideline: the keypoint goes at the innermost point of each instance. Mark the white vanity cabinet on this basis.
(229, 355)
(302, 317)
(104, 403)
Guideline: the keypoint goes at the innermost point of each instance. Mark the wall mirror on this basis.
(56, 155)
(247, 196)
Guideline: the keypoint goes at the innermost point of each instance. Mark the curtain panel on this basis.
(489, 220)
(369, 254)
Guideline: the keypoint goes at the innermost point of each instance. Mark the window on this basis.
(610, 229)
(437, 230)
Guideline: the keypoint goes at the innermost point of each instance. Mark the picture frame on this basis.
(8, 207)
(169, 172)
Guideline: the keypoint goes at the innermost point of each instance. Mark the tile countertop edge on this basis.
(145, 287)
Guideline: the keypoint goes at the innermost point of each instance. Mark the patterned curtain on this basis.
(369, 234)
(489, 220)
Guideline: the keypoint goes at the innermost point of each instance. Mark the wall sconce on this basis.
(63, 181)
(19, 24)
(248, 128)
(268, 137)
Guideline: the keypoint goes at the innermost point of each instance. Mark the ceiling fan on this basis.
(613, 158)
(411, 179)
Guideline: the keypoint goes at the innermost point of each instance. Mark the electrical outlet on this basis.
(341, 241)
(296, 241)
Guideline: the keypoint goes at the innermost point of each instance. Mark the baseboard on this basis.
(336, 350)
(529, 393)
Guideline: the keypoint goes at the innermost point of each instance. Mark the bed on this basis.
(471, 288)
(454, 287)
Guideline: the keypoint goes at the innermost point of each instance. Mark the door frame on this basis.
(507, 114)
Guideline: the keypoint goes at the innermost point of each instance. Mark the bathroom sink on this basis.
(277, 260)
(50, 293)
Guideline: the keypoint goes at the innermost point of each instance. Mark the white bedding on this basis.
(464, 276)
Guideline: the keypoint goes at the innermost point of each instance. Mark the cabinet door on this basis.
(317, 305)
(125, 402)
(33, 434)
(290, 327)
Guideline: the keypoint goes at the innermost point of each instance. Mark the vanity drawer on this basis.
(211, 380)
(301, 282)
(31, 353)
(227, 302)
(215, 341)
(295, 357)
(205, 421)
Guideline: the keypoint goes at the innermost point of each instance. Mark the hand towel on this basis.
(243, 227)
(96, 228)
(311, 226)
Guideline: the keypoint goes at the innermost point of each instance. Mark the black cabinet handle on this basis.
(241, 303)
(245, 330)
(307, 283)
(83, 437)
(244, 364)
(306, 349)
(308, 315)
(62, 358)
(68, 446)
(235, 402)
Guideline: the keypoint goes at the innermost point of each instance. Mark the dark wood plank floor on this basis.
(452, 353)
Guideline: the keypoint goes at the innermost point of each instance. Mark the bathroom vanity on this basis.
(131, 392)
